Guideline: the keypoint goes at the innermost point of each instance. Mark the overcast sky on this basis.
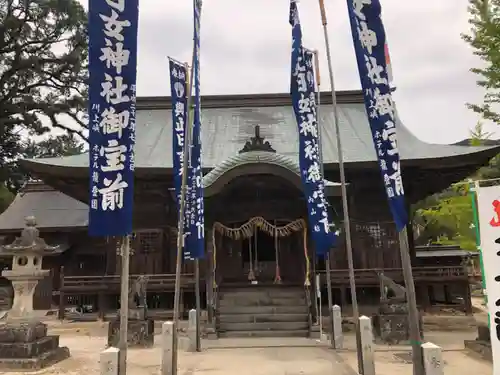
(245, 48)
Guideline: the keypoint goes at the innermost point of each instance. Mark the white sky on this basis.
(245, 48)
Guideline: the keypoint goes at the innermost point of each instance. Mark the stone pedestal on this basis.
(482, 345)
(24, 283)
(140, 333)
(391, 324)
(25, 346)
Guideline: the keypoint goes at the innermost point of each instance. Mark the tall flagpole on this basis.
(345, 206)
(180, 226)
(322, 170)
(474, 191)
(195, 78)
(124, 292)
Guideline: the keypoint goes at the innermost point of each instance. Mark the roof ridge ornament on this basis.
(257, 143)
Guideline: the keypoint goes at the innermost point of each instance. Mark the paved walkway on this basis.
(224, 357)
(272, 356)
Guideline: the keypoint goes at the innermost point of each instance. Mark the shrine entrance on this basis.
(261, 252)
(257, 212)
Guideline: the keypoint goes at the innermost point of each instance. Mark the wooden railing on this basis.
(111, 283)
(370, 276)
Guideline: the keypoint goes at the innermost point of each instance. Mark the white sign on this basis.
(489, 223)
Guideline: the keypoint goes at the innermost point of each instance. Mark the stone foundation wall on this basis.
(431, 323)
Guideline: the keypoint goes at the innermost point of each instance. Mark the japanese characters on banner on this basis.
(195, 215)
(179, 96)
(112, 95)
(370, 46)
(489, 223)
(304, 106)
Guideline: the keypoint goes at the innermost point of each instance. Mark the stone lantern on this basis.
(24, 343)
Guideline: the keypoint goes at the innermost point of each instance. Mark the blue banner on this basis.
(304, 105)
(112, 96)
(370, 46)
(196, 240)
(179, 97)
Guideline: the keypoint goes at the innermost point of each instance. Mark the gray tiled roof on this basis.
(225, 131)
(52, 210)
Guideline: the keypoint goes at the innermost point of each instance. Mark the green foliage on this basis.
(62, 145)
(43, 71)
(478, 135)
(447, 218)
(6, 198)
(484, 38)
(54, 146)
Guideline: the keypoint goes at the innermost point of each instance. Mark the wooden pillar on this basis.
(447, 297)
(424, 297)
(343, 296)
(468, 299)
(210, 277)
(62, 297)
(101, 305)
(411, 241)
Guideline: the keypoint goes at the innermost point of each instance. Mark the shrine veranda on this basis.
(255, 211)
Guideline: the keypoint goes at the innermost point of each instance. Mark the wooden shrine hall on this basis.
(257, 236)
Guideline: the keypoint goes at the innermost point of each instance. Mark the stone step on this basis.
(262, 301)
(264, 326)
(272, 293)
(258, 318)
(235, 309)
(255, 333)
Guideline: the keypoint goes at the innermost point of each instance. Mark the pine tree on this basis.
(484, 38)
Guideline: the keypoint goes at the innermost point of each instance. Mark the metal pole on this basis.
(180, 226)
(474, 191)
(198, 303)
(322, 169)
(413, 316)
(345, 207)
(124, 290)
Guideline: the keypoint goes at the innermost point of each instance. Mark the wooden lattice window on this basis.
(147, 241)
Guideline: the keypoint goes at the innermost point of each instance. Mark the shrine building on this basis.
(259, 256)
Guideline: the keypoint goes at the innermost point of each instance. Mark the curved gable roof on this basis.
(259, 157)
(228, 122)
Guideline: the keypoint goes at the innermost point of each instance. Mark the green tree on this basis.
(484, 37)
(448, 221)
(6, 198)
(446, 218)
(478, 135)
(43, 71)
(53, 146)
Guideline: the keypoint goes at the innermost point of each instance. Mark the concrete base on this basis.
(25, 346)
(482, 345)
(211, 334)
(140, 333)
(481, 349)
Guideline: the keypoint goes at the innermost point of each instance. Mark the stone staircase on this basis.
(262, 311)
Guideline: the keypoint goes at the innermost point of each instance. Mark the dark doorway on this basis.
(262, 247)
